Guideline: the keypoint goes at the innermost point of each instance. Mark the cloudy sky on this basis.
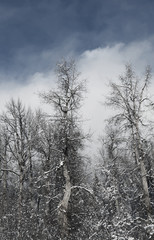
(101, 35)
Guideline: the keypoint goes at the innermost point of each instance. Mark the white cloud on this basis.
(101, 65)
(28, 92)
(98, 66)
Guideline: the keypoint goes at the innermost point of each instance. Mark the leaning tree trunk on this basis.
(63, 206)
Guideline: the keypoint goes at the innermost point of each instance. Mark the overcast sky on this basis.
(102, 35)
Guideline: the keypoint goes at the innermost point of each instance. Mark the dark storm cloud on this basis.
(29, 29)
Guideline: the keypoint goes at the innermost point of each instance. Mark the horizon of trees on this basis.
(50, 189)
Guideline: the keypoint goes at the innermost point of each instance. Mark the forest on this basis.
(50, 190)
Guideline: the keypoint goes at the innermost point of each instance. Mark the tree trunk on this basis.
(20, 202)
(63, 206)
(5, 179)
(140, 160)
(145, 186)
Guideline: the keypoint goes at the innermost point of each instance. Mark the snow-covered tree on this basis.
(129, 97)
(67, 100)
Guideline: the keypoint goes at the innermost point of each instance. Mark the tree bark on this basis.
(140, 160)
(63, 206)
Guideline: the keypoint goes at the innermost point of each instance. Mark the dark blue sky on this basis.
(29, 29)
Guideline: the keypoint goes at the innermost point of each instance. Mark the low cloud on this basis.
(98, 66)
(102, 65)
(28, 93)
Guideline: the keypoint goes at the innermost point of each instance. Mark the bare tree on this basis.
(129, 98)
(21, 131)
(67, 101)
(4, 159)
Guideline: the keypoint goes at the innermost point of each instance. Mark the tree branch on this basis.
(9, 170)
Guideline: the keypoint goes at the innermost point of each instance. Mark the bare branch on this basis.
(9, 170)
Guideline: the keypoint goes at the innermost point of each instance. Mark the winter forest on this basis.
(50, 190)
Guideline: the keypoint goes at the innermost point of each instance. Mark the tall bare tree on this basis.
(21, 132)
(129, 98)
(67, 101)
